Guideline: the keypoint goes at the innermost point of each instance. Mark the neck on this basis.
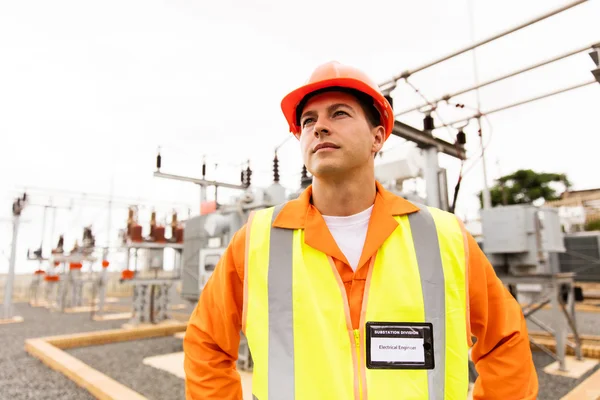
(353, 193)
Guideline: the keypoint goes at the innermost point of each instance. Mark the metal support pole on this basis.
(202, 193)
(74, 280)
(102, 282)
(63, 288)
(8, 291)
(43, 230)
(487, 202)
(199, 181)
(52, 226)
(560, 331)
(487, 198)
(164, 301)
(570, 315)
(431, 176)
(431, 167)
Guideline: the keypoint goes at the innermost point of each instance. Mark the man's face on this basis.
(337, 121)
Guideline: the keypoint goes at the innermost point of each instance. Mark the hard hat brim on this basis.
(290, 102)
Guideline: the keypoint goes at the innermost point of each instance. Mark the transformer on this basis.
(207, 236)
(522, 239)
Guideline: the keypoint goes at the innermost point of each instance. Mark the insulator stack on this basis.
(275, 169)
(248, 176)
(305, 180)
(461, 138)
(428, 123)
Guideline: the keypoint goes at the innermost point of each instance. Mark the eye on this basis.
(305, 121)
(339, 112)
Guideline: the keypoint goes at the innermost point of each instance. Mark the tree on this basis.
(526, 186)
(593, 225)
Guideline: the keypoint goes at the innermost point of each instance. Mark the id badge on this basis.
(396, 345)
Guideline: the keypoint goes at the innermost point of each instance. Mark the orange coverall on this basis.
(502, 353)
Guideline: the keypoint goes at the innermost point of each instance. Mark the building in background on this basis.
(579, 210)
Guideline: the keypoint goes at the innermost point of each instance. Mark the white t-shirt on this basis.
(350, 233)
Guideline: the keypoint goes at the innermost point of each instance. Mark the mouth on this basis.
(325, 146)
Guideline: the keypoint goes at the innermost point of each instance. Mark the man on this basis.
(349, 291)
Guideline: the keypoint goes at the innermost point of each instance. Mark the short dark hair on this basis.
(366, 102)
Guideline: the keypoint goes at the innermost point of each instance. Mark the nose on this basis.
(321, 128)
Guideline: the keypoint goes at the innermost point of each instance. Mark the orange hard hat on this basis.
(334, 74)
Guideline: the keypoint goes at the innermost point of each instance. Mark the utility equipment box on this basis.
(522, 239)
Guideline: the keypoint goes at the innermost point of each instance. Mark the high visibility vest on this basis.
(297, 319)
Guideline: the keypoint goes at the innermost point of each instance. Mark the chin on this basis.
(327, 169)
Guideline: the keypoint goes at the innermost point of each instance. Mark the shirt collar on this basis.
(295, 213)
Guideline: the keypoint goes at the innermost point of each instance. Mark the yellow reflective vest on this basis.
(297, 319)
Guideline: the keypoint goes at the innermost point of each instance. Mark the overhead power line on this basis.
(406, 74)
(497, 79)
(93, 198)
(579, 85)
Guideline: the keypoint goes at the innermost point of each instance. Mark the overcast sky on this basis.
(89, 90)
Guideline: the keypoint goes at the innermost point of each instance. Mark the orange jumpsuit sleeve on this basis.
(213, 333)
(502, 353)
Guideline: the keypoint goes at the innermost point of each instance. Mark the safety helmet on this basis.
(334, 74)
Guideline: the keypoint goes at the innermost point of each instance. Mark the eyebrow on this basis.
(329, 109)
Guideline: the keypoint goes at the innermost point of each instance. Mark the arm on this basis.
(213, 333)
(502, 353)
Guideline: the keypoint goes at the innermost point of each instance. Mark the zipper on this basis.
(356, 332)
(357, 343)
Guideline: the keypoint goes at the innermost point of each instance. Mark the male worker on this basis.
(349, 291)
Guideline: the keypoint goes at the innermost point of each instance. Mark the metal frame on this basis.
(152, 296)
(563, 314)
(498, 79)
(408, 73)
(432, 166)
(8, 291)
(72, 286)
(424, 140)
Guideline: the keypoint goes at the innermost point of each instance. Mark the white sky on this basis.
(89, 90)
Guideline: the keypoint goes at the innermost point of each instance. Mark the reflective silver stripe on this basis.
(254, 397)
(427, 250)
(281, 318)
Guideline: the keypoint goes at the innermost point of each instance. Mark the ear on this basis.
(378, 138)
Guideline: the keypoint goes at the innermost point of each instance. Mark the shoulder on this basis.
(446, 219)
(447, 224)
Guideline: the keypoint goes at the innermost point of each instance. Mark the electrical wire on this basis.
(433, 108)
(485, 146)
(491, 131)
(474, 162)
(450, 134)
(284, 142)
(462, 172)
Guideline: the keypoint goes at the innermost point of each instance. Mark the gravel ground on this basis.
(23, 377)
(588, 323)
(552, 387)
(123, 362)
